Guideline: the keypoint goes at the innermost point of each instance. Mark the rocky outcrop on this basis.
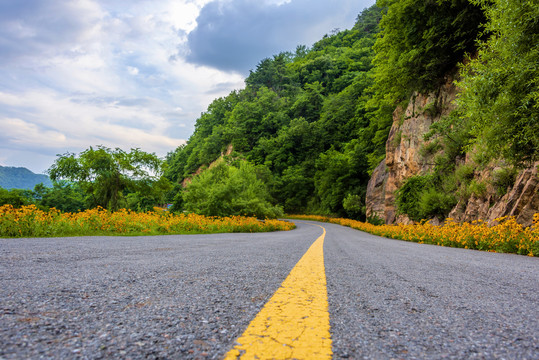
(521, 200)
(405, 158)
(376, 189)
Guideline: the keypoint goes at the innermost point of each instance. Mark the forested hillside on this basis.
(304, 119)
(21, 178)
(314, 123)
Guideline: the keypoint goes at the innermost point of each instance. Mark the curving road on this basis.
(191, 297)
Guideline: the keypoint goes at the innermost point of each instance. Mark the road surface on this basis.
(193, 296)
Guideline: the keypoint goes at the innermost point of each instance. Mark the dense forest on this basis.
(314, 123)
(302, 120)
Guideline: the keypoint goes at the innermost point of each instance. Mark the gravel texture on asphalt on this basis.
(392, 299)
(190, 297)
(165, 297)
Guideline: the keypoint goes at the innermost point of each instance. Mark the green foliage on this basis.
(419, 45)
(354, 205)
(500, 86)
(225, 190)
(477, 188)
(421, 42)
(464, 173)
(296, 113)
(435, 203)
(423, 197)
(430, 148)
(340, 175)
(147, 194)
(503, 179)
(260, 117)
(295, 188)
(318, 120)
(453, 136)
(375, 220)
(15, 197)
(106, 175)
(409, 195)
(274, 73)
(64, 196)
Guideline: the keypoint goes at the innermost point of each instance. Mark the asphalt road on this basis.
(192, 296)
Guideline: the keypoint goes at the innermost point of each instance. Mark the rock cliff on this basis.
(405, 158)
(520, 201)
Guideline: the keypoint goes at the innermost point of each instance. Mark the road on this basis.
(193, 296)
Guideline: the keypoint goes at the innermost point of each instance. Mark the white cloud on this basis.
(108, 81)
(82, 123)
(20, 132)
(132, 70)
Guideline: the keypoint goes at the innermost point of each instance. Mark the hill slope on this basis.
(416, 97)
(21, 178)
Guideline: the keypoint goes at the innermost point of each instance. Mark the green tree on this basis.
(273, 73)
(339, 175)
(64, 196)
(421, 42)
(225, 190)
(14, 197)
(294, 108)
(296, 188)
(105, 174)
(500, 86)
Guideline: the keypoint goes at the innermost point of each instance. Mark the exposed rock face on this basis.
(376, 188)
(521, 201)
(404, 159)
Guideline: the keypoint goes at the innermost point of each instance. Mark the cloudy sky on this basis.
(137, 73)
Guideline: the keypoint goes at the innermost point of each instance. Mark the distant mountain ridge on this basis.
(21, 178)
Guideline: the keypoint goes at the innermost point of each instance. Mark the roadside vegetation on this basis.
(29, 221)
(507, 236)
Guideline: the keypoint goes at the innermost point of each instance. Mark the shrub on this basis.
(503, 179)
(464, 173)
(13, 197)
(225, 190)
(477, 188)
(409, 195)
(354, 206)
(430, 148)
(419, 197)
(435, 204)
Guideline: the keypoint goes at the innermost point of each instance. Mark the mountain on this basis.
(21, 178)
(417, 98)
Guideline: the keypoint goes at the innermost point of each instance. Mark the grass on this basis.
(507, 236)
(29, 221)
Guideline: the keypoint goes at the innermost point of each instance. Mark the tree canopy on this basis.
(500, 86)
(106, 175)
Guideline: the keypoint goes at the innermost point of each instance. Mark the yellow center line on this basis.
(294, 323)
